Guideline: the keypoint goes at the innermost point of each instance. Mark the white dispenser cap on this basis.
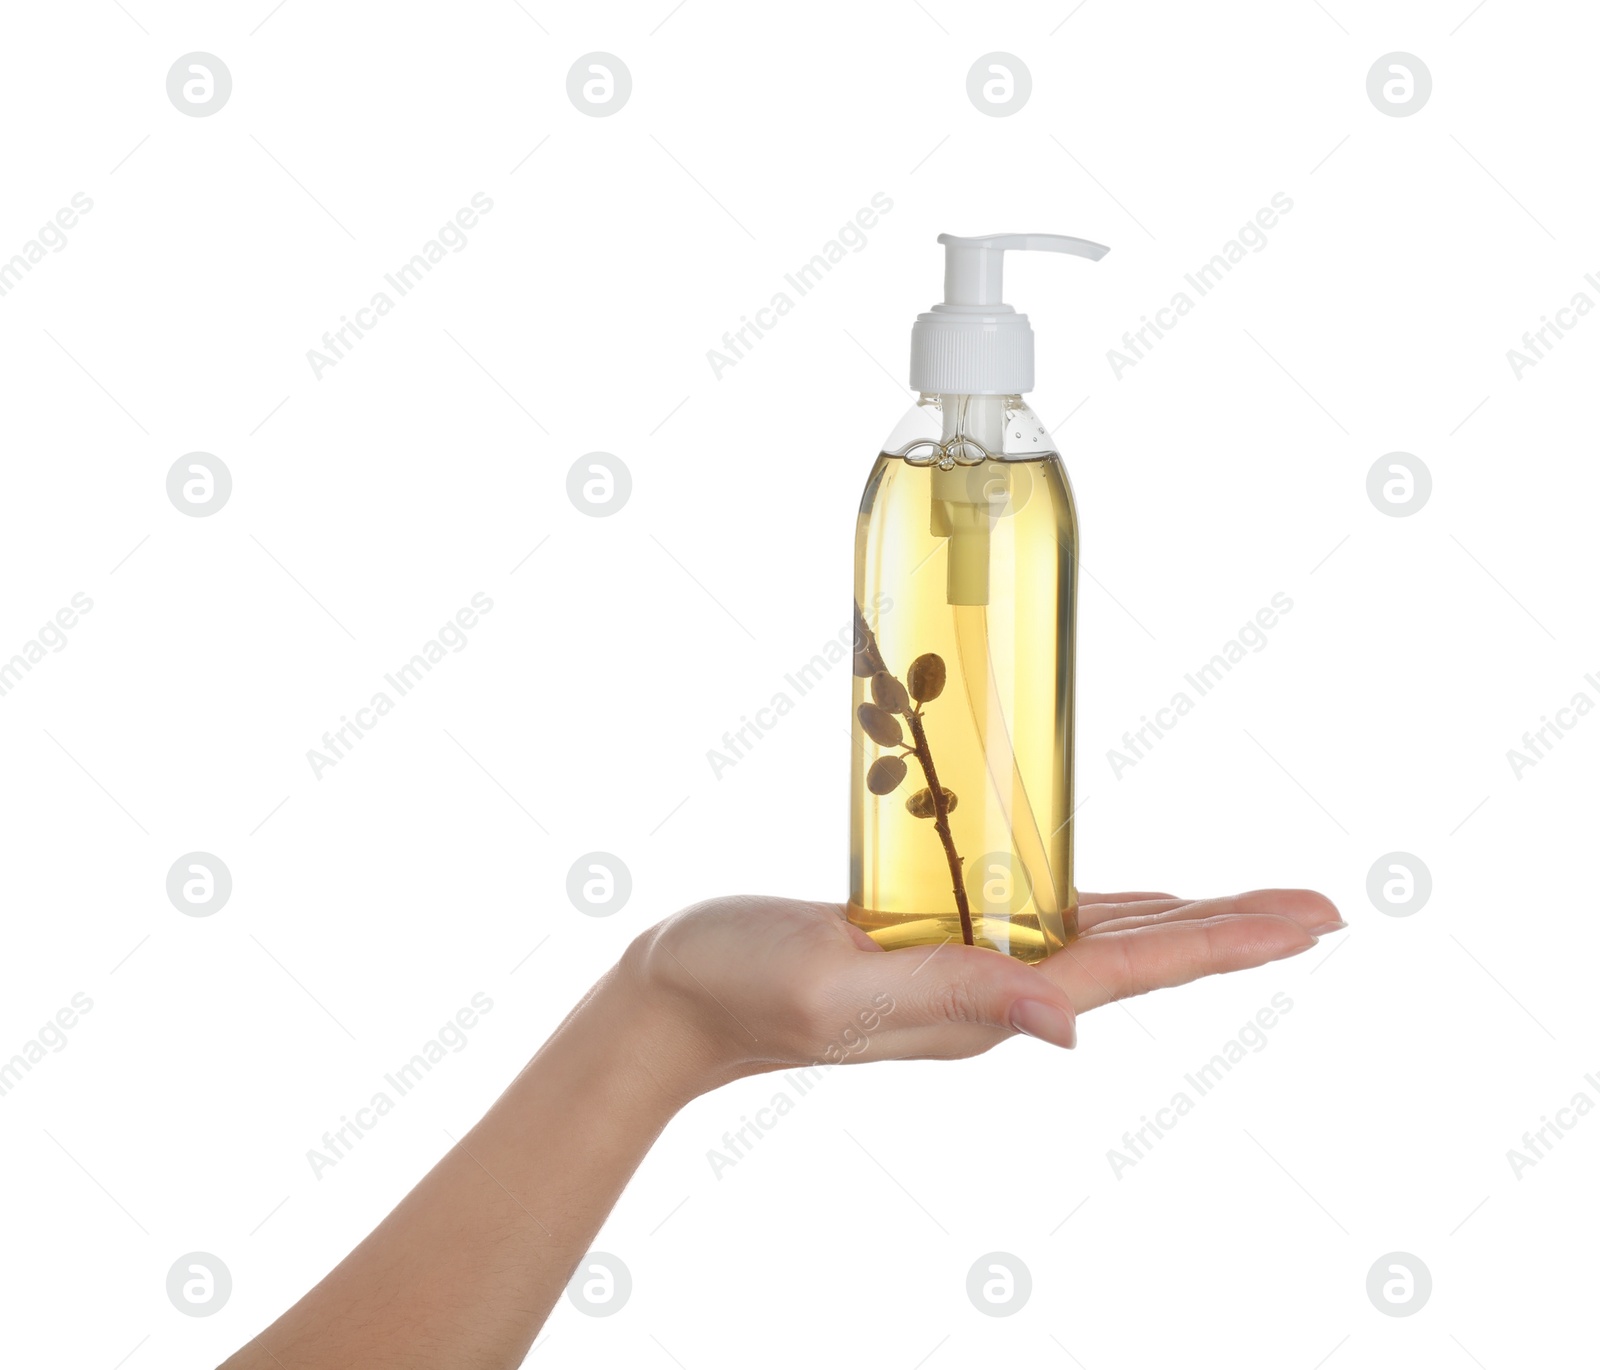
(974, 343)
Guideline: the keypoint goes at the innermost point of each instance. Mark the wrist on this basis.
(665, 1008)
(620, 1054)
(650, 1035)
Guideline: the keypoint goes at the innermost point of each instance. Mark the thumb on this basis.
(961, 984)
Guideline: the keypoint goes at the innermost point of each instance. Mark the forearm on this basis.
(465, 1270)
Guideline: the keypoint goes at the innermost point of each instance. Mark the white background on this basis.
(430, 864)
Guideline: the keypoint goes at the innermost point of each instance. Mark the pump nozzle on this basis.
(974, 343)
(972, 266)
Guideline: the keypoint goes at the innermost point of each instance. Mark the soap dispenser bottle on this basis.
(966, 581)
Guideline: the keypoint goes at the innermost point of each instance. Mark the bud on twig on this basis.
(880, 725)
(885, 774)
(890, 693)
(920, 804)
(926, 677)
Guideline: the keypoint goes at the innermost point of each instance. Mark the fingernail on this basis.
(1044, 1021)
(1333, 925)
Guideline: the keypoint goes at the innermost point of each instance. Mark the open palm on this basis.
(770, 983)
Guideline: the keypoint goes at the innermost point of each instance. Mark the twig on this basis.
(868, 662)
(941, 824)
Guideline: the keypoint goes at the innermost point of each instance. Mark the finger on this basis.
(859, 939)
(1314, 912)
(956, 987)
(1121, 897)
(1117, 965)
(1111, 908)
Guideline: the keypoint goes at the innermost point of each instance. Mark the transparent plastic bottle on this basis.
(966, 590)
(966, 577)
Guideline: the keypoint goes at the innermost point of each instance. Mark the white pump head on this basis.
(974, 343)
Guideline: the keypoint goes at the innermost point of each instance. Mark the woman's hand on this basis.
(751, 983)
(470, 1262)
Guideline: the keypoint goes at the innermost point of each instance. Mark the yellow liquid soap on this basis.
(966, 586)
